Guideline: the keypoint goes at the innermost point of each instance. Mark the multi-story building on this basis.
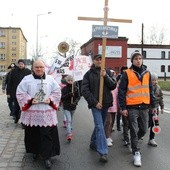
(13, 46)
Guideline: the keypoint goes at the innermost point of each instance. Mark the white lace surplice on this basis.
(38, 114)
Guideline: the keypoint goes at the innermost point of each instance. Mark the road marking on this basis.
(167, 111)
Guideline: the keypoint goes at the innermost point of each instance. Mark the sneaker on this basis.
(110, 140)
(109, 143)
(126, 143)
(69, 137)
(152, 143)
(103, 158)
(140, 138)
(137, 159)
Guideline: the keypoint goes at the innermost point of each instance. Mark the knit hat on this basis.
(69, 77)
(123, 68)
(154, 76)
(21, 60)
(134, 54)
(97, 56)
(12, 66)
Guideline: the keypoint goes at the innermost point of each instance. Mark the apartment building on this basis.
(13, 46)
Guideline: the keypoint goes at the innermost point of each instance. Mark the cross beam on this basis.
(105, 20)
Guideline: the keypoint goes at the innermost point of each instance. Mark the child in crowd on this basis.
(62, 85)
(70, 98)
(110, 118)
(159, 102)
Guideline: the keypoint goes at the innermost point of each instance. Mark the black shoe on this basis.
(119, 129)
(92, 147)
(16, 119)
(47, 164)
(34, 157)
(126, 143)
(103, 158)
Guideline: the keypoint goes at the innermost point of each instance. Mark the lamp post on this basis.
(37, 32)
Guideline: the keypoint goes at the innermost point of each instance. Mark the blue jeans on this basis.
(98, 138)
(69, 120)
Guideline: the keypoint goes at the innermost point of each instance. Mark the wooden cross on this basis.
(105, 20)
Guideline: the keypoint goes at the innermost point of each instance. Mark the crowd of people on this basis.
(133, 97)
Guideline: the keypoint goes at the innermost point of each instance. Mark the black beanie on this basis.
(21, 60)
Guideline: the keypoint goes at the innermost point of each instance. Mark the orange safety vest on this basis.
(137, 92)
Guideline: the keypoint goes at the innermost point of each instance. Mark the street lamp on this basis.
(37, 32)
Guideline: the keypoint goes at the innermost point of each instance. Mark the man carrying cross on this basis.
(96, 89)
(90, 91)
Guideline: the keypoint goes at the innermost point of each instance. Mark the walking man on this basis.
(90, 91)
(135, 97)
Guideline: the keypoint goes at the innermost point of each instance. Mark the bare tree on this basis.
(155, 35)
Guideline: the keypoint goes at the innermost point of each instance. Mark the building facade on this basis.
(156, 58)
(13, 46)
(118, 52)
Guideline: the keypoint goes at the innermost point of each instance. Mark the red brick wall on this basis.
(113, 63)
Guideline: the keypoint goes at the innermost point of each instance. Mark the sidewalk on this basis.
(166, 93)
(12, 149)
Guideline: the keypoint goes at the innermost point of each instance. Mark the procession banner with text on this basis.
(72, 65)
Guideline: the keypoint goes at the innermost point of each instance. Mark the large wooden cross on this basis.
(105, 20)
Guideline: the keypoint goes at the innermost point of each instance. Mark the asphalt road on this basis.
(77, 156)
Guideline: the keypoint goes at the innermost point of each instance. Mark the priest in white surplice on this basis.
(39, 95)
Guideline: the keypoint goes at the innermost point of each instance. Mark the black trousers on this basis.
(16, 109)
(42, 140)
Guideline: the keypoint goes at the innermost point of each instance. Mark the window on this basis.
(13, 30)
(13, 60)
(2, 45)
(14, 48)
(163, 54)
(14, 54)
(2, 33)
(14, 37)
(2, 68)
(144, 54)
(169, 68)
(14, 43)
(162, 68)
(168, 54)
(2, 56)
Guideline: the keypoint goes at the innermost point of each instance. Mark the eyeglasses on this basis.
(39, 67)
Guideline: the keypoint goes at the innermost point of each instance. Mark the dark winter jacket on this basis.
(123, 89)
(70, 99)
(91, 85)
(15, 78)
(5, 81)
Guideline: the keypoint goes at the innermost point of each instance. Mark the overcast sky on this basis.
(62, 23)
